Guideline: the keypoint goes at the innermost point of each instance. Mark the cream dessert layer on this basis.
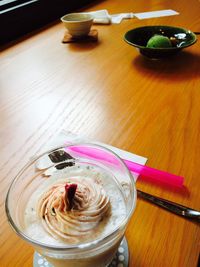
(80, 205)
(69, 218)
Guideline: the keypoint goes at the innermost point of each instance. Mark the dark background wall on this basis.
(19, 17)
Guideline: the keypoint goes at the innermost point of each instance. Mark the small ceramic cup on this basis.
(78, 24)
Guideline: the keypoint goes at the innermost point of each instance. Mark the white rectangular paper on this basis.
(66, 137)
(155, 14)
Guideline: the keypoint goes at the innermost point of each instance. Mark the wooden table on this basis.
(110, 93)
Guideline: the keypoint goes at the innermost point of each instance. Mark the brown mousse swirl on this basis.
(70, 220)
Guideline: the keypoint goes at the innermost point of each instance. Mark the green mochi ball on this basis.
(159, 41)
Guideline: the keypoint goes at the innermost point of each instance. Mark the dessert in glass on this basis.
(73, 207)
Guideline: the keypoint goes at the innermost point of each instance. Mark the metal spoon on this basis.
(179, 39)
(171, 206)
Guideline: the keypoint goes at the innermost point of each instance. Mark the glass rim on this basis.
(87, 245)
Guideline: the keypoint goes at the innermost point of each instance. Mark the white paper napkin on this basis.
(103, 17)
(155, 14)
(100, 16)
(66, 137)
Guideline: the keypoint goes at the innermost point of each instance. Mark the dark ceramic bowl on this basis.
(139, 37)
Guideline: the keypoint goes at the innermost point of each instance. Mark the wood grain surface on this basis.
(110, 93)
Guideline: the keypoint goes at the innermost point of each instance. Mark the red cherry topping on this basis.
(70, 190)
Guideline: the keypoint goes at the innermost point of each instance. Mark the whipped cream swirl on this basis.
(90, 206)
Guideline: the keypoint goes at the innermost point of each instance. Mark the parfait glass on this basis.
(97, 251)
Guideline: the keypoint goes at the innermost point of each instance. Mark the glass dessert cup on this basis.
(75, 159)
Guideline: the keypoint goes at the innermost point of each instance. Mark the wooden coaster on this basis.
(91, 37)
